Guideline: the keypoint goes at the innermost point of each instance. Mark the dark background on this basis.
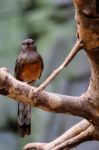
(51, 23)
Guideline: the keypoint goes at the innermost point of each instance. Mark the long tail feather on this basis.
(24, 119)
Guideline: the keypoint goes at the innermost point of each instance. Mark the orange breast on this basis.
(31, 72)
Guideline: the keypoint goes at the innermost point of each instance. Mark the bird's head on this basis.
(29, 44)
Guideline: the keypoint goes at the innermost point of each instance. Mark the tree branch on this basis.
(76, 48)
(64, 140)
(86, 135)
(53, 102)
(71, 133)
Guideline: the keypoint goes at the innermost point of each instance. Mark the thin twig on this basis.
(76, 48)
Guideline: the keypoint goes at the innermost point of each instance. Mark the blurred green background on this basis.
(51, 23)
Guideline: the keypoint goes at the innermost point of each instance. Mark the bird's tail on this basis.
(24, 119)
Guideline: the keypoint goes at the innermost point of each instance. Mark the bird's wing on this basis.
(42, 64)
(18, 66)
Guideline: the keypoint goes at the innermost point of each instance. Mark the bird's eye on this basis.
(24, 44)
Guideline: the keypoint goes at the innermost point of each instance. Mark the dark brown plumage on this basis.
(28, 68)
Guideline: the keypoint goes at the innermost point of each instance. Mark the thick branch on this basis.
(52, 102)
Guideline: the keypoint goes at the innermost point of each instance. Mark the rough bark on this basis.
(86, 106)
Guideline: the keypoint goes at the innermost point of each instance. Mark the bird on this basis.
(28, 68)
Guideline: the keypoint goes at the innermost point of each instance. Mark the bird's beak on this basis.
(28, 44)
